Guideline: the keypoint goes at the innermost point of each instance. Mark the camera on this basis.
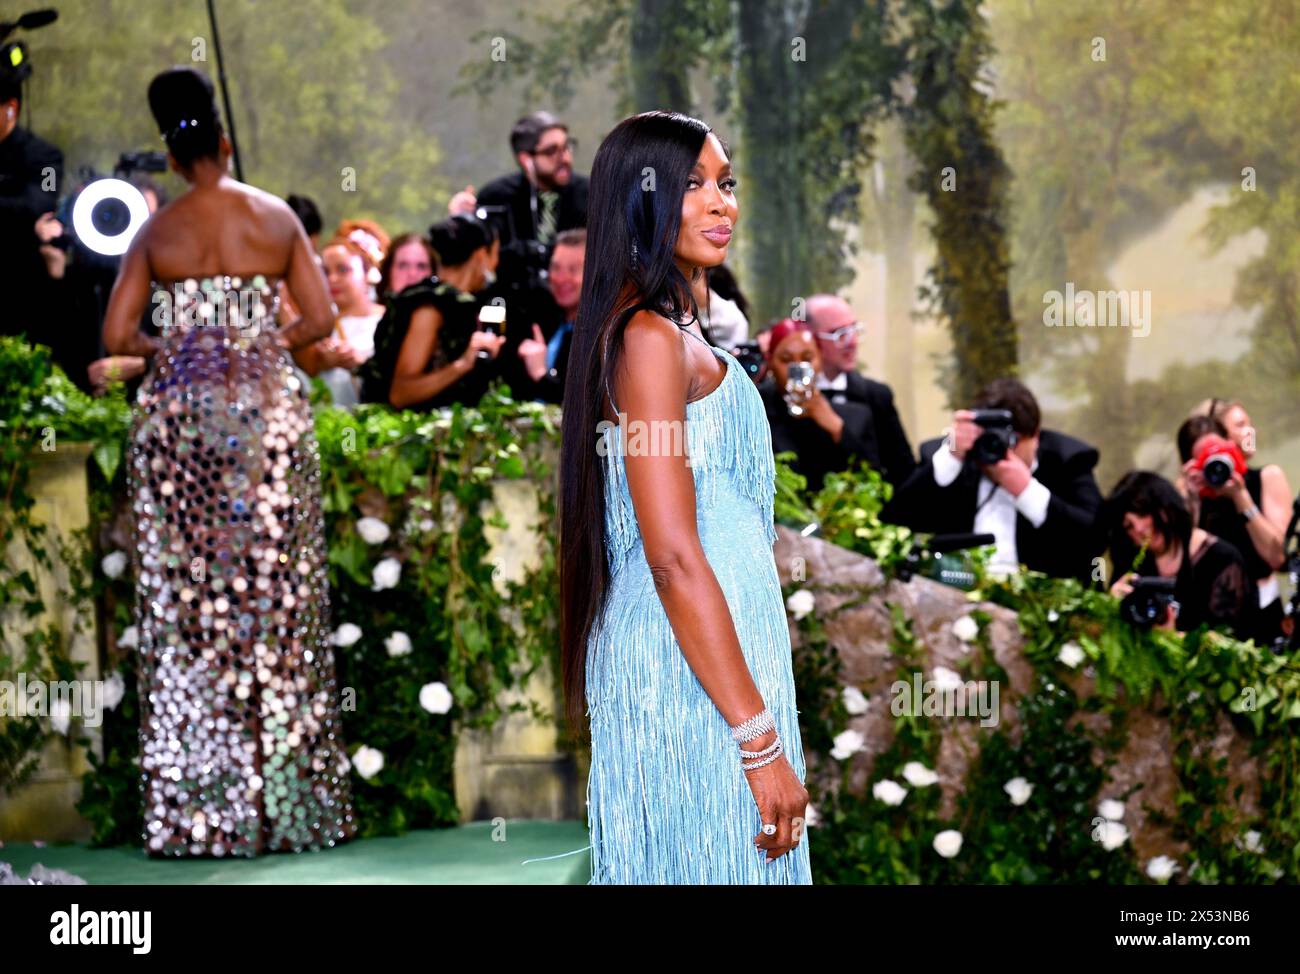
(1217, 459)
(799, 378)
(1148, 603)
(998, 436)
(750, 357)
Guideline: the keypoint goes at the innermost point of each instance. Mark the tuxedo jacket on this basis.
(872, 431)
(514, 191)
(1068, 539)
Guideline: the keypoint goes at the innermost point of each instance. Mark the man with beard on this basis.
(530, 208)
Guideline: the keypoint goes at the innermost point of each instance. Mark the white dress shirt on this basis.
(996, 515)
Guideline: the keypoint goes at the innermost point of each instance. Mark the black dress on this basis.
(817, 453)
(1214, 587)
(459, 311)
(1220, 517)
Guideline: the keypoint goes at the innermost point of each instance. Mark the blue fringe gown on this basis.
(667, 799)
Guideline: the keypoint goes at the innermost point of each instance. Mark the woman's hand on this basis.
(533, 352)
(114, 368)
(488, 341)
(1123, 585)
(337, 353)
(781, 799)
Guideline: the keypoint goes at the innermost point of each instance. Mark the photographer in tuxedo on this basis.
(1040, 500)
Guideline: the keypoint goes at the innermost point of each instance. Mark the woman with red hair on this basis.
(825, 433)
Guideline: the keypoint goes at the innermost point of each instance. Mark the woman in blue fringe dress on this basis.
(673, 626)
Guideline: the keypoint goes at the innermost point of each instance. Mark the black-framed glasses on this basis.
(842, 333)
(570, 146)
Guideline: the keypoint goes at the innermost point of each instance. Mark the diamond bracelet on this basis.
(760, 723)
(763, 753)
(766, 761)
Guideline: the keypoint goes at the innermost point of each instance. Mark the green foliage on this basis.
(40, 409)
(1201, 682)
(430, 478)
(314, 95)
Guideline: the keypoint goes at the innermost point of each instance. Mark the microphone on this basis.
(37, 18)
(944, 543)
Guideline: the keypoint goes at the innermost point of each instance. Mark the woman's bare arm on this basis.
(663, 496)
(126, 304)
(411, 384)
(307, 286)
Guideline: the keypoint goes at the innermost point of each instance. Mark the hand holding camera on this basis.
(1218, 469)
(1146, 601)
(800, 387)
(491, 334)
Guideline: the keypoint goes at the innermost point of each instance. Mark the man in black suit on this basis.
(545, 352)
(1040, 501)
(530, 208)
(31, 175)
(542, 199)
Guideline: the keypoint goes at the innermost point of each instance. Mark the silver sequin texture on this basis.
(240, 745)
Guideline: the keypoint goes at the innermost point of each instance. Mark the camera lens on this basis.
(1218, 471)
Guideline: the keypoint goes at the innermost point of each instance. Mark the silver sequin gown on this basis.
(240, 745)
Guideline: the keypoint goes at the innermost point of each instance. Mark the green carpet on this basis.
(466, 854)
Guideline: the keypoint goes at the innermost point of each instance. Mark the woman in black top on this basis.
(427, 345)
(828, 435)
(1250, 512)
(1212, 585)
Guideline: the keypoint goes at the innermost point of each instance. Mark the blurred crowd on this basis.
(490, 293)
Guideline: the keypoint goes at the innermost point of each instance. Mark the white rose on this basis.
(386, 574)
(946, 679)
(810, 816)
(847, 743)
(1112, 835)
(948, 843)
(368, 762)
(1052, 615)
(918, 775)
(1161, 868)
(1071, 654)
(1111, 809)
(372, 530)
(1019, 789)
(889, 792)
(435, 698)
(398, 644)
(114, 564)
(60, 715)
(854, 702)
(114, 689)
(130, 638)
(801, 603)
(346, 634)
(966, 629)
(1250, 841)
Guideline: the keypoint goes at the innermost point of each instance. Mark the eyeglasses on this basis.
(570, 146)
(840, 335)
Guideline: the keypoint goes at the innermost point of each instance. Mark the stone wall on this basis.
(862, 636)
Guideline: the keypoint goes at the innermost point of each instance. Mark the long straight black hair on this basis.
(638, 179)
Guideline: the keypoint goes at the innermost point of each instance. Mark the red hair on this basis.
(782, 330)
